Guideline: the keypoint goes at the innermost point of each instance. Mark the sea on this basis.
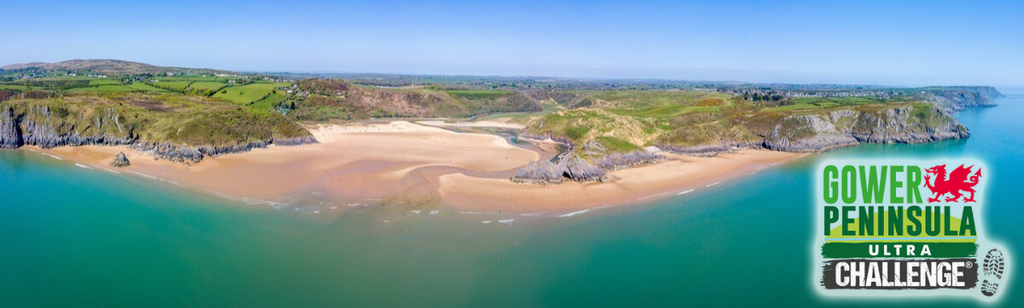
(78, 237)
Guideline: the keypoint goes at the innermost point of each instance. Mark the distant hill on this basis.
(107, 66)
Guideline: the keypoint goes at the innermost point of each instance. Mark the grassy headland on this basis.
(204, 107)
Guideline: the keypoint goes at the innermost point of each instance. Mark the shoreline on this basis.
(420, 167)
(678, 175)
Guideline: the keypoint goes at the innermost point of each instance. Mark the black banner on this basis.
(900, 274)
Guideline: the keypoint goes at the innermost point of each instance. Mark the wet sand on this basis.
(410, 163)
(679, 175)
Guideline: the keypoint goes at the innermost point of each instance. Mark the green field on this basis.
(138, 86)
(105, 88)
(100, 82)
(248, 94)
(657, 104)
(6, 86)
(171, 85)
(267, 105)
(206, 85)
(195, 78)
(806, 103)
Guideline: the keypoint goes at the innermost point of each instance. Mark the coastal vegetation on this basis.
(609, 122)
(119, 102)
(185, 120)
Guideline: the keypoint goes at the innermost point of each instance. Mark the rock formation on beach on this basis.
(573, 167)
(578, 169)
(120, 161)
(540, 172)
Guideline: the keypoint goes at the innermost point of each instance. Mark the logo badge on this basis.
(904, 228)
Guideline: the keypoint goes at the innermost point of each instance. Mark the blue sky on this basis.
(883, 42)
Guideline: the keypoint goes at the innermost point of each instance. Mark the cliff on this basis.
(10, 132)
(186, 138)
(954, 99)
(195, 154)
(906, 124)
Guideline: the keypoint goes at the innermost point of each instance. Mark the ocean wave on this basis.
(652, 196)
(685, 192)
(534, 214)
(55, 157)
(113, 171)
(485, 221)
(82, 166)
(506, 221)
(275, 205)
(415, 211)
(434, 212)
(144, 175)
(571, 214)
(713, 184)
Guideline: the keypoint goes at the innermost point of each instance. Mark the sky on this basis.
(872, 42)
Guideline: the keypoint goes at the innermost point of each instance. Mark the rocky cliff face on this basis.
(37, 125)
(798, 133)
(954, 99)
(195, 154)
(625, 160)
(908, 124)
(41, 126)
(710, 150)
(10, 133)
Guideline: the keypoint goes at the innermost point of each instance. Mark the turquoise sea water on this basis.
(71, 236)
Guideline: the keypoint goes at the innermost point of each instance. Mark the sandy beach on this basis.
(419, 165)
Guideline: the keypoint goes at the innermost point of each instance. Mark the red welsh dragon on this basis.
(957, 182)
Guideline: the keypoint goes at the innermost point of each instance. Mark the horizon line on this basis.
(722, 81)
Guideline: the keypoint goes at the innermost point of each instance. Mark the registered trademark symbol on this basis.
(970, 264)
